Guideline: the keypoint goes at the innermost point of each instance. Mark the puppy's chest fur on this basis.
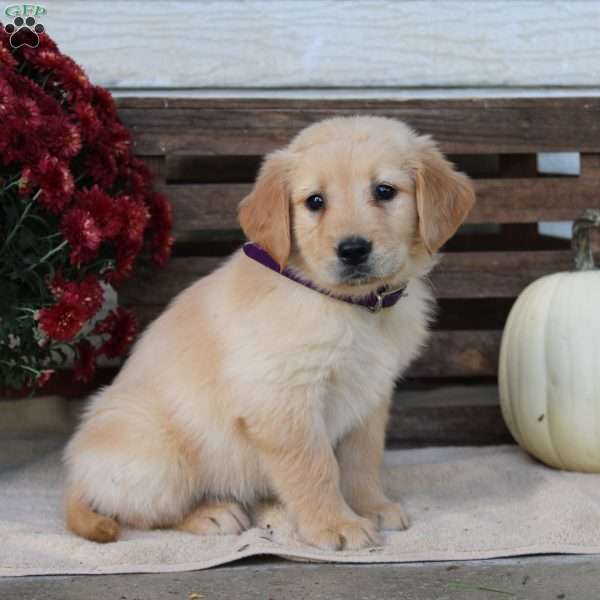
(357, 371)
(322, 354)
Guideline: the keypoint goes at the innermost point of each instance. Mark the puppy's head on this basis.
(356, 202)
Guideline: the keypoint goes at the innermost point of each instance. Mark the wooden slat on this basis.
(459, 275)
(459, 354)
(446, 415)
(524, 200)
(157, 166)
(530, 200)
(590, 165)
(494, 274)
(204, 206)
(158, 286)
(233, 168)
(224, 126)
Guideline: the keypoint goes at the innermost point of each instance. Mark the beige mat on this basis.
(464, 503)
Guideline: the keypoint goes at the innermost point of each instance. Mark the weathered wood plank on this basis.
(460, 126)
(494, 274)
(459, 275)
(319, 43)
(590, 166)
(531, 200)
(523, 200)
(157, 166)
(445, 416)
(154, 286)
(459, 354)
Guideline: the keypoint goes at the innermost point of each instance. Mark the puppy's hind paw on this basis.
(216, 518)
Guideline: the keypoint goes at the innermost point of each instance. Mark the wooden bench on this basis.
(205, 154)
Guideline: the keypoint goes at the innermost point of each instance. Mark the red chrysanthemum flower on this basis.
(65, 74)
(135, 217)
(85, 365)
(26, 87)
(120, 326)
(62, 322)
(60, 136)
(127, 252)
(161, 221)
(54, 180)
(104, 104)
(86, 293)
(77, 303)
(25, 147)
(104, 210)
(118, 139)
(21, 118)
(138, 166)
(101, 165)
(7, 60)
(7, 97)
(26, 114)
(7, 108)
(91, 295)
(46, 59)
(69, 171)
(43, 378)
(83, 234)
(89, 123)
(72, 79)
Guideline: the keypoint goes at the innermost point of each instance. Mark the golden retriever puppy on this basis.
(272, 377)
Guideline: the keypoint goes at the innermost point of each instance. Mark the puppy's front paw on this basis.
(387, 515)
(346, 534)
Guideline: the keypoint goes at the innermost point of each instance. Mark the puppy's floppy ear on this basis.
(265, 213)
(444, 197)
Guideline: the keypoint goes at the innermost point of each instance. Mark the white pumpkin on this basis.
(549, 372)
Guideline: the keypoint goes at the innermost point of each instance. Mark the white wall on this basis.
(331, 44)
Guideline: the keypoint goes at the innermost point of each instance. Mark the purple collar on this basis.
(375, 301)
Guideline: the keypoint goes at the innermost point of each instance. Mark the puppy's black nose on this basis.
(354, 250)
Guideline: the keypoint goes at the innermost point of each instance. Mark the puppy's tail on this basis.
(82, 520)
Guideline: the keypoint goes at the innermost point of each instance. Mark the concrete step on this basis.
(529, 578)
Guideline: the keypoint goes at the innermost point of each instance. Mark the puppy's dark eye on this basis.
(315, 202)
(383, 192)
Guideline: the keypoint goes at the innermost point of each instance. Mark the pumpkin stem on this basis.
(584, 259)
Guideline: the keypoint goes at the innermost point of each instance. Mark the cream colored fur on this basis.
(252, 386)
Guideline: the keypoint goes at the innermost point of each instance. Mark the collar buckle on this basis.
(378, 303)
(382, 294)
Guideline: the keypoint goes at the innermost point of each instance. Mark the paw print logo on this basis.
(24, 32)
